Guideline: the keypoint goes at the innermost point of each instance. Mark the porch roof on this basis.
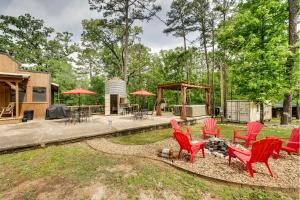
(14, 75)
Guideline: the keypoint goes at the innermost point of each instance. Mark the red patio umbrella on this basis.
(143, 93)
(79, 91)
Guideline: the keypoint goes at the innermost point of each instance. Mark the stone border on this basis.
(216, 180)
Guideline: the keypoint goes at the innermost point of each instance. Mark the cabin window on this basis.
(39, 94)
(22, 94)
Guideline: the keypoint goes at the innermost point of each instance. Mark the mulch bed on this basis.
(285, 169)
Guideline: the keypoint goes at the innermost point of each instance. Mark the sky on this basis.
(66, 15)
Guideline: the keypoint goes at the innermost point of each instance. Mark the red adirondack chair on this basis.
(260, 152)
(293, 144)
(253, 129)
(185, 144)
(210, 128)
(176, 127)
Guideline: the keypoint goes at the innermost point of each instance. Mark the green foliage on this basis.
(29, 41)
(97, 85)
(180, 21)
(256, 38)
(24, 37)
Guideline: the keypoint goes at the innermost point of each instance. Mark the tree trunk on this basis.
(125, 67)
(222, 92)
(298, 110)
(90, 70)
(225, 89)
(223, 76)
(261, 114)
(205, 52)
(206, 57)
(286, 116)
(286, 113)
(213, 70)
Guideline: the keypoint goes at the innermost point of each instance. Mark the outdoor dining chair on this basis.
(253, 129)
(260, 152)
(9, 110)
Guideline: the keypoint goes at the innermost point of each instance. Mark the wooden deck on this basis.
(10, 120)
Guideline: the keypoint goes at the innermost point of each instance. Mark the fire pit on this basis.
(217, 147)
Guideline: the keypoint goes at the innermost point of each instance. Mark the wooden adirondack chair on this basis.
(253, 129)
(210, 128)
(260, 152)
(191, 147)
(176, 127)
(293, 144)
(9, 110)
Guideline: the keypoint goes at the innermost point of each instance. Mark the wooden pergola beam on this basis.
(207, 101)
(178, 86)
(183, 109)
(158, 100)
(183, 87)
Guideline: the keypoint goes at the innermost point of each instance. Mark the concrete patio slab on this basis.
(42, 132)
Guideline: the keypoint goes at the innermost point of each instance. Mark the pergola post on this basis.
(17, 100)
(207, 101)
(183, 96)
(158, 100)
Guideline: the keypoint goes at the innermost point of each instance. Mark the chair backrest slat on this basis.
(182, 140)
(10, 107)
(175, 125)
(253, 127)
(262, 149)
(210, 124)
(295, 137)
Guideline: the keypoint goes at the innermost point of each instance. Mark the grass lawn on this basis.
(75, 171)
(226, 132)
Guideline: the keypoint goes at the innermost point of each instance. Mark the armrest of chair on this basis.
(218, 131)
(291, 142)
(238, 150)
(188, 132)
(240, 130)
(235, 132)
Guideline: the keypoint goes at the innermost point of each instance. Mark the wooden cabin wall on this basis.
(7, 64)
(39, 109)
(37, 79)
(4, 95)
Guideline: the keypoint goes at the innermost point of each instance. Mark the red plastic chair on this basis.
(293, 144)
(260, 152)
(210, 128)
(253, 129)
(178, 128)
(185, 144)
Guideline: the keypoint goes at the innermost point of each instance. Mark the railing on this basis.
(93, 109)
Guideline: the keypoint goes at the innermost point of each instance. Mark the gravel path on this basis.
(285, 169)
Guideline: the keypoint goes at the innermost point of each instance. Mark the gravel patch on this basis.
(285, 169)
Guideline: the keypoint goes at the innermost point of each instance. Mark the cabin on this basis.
(23, 91)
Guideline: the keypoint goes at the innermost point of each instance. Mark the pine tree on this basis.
(126, 12)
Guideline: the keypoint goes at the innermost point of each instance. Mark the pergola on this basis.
(183, 87)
